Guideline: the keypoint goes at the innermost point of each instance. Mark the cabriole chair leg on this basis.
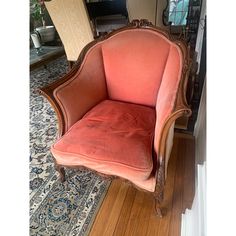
(61, 171)
(158, 203)
(158, 208)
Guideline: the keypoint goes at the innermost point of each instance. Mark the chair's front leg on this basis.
(61, 171)
(159, 191)
(158, 204)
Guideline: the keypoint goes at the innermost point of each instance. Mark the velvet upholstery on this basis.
(112, 138)
(168, 91)
(141, 58)
(85, 89)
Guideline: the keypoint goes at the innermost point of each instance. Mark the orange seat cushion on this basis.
(113, 138)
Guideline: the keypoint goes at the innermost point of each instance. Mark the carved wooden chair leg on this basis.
(61, 171)
(159, 191)
(158, 208)
(158, 204)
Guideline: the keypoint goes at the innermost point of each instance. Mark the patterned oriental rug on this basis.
(57, 208)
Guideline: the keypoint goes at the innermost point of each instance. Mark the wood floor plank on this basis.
(110, 226)
(189, 175)
(125, 212)
(147, 212)
(175, 221)
(135, 212)
(164, 223)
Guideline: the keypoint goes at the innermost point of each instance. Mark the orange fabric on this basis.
(86, 89)
(112, 138)
(134, 62)
(168, 91)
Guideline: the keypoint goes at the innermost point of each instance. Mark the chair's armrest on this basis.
(179, 109)
(165, 120)
(78, 91)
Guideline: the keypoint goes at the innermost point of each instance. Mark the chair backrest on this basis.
(136, 63)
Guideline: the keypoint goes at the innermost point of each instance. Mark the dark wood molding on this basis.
(181, 107)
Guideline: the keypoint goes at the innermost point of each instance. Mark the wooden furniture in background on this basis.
(48, 54)
(107, 15)
(151, 10)
(72, 24)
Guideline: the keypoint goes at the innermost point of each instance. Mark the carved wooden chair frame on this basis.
(180, 108)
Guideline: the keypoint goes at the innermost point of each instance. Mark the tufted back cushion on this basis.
(134, 63)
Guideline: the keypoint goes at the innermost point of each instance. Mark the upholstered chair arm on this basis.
(171, 101)
(79, 90)
(163, 140)
(169, 108)
(164, 136)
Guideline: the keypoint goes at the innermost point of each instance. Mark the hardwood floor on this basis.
(127, 211)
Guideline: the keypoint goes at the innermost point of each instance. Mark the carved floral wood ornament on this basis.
(83, 77)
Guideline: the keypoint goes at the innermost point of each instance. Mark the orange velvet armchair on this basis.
(117, 106)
